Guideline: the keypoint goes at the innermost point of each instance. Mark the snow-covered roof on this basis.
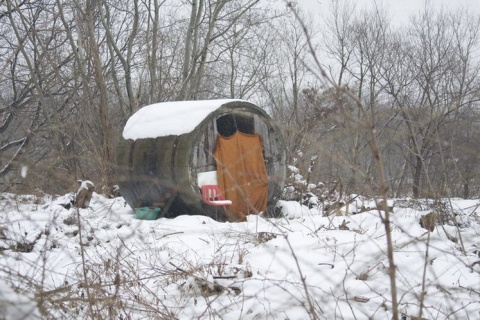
(170, 118)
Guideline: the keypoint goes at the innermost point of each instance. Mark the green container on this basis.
(147, 213)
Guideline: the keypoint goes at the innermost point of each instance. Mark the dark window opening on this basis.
(228, 124)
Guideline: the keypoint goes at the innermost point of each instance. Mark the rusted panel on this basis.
(202, 155)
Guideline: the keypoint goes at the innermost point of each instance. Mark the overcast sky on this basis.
(400, 10)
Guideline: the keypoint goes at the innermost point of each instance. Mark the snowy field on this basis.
(102, 263)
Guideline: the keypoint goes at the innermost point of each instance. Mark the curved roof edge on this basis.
(170, 118)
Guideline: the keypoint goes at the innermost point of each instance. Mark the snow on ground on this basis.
(58, 262)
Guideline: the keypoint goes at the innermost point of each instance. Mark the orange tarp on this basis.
(241, 173)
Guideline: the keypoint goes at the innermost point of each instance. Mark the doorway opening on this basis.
(228, 124)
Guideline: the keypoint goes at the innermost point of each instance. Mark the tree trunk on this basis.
(466, 190)
(418, 167)
(399, 191)
(191, 41)
(106, 128)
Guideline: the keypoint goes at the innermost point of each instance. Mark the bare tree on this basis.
(79, 69)
(283, 88)
(209, 21)
(355, 46)
(438, 81)
(35, 81)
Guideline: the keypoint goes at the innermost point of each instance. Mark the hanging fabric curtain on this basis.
(241, 172)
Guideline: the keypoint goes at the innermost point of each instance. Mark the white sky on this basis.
(400, 10)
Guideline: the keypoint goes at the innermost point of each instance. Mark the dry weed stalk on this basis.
(381, 184)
